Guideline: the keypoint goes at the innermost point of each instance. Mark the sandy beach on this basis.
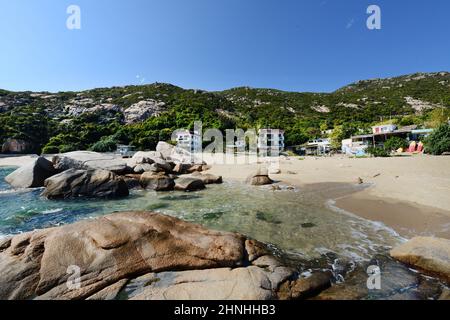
(409, 194)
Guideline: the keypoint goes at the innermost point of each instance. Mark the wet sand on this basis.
(407, 219)
(409, 194)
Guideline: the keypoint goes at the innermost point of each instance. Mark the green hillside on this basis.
(142, 115)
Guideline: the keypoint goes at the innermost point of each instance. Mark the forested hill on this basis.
(142, 115)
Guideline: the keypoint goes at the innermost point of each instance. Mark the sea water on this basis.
(295, 221)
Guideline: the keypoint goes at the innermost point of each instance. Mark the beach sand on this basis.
(410, 194)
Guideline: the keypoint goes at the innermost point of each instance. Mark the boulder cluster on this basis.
(91, 174)
(144, 256)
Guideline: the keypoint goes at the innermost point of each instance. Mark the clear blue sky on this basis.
(297, 45)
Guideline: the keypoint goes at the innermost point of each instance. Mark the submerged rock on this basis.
(86, 160)
(431, 255)
(31, 175)
(85, 183)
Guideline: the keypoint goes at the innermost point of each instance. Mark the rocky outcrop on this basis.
(250, 283)
(74, 183)
(84, 106)
(189, 184)
(86, 160)
(143, 110)
(16, 146)
(105, 251)
(259, 177)
(31, 175)
(156, 181)
(430, 255)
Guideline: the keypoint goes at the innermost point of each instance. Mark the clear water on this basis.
(296, 221)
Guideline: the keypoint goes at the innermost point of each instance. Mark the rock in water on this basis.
(259, 177)
(107, 250)
(431, 255)
(156, 181)
(31, 175)
(207, 178)
(189, 184)
(86, 160)
(85, 183)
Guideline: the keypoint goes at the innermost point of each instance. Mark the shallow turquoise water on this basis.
(297, 222)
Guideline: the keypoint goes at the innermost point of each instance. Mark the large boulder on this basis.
(86, 160)
(31, 175)
(250, 283)
(430, 255)
(42, 264)
(189, 184)
(74, 183)
(207, 178)
(259, 177)
(176, 154)
(156, 181)
(141, 157)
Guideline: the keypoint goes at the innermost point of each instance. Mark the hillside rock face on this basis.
(15, 146)
(431, 255)
(87, 160)
(92, 259)
(74, 183)
(31, 175)
(143, 110)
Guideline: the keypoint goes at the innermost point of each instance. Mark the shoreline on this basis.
(389, 193)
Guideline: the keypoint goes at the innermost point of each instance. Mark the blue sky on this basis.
(296, 45)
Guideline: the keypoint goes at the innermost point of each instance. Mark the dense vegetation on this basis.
(439, 141)
(45, 119)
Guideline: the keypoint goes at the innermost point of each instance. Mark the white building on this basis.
(189, 141)
(270, 141)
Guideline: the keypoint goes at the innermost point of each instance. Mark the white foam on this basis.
(52, 211)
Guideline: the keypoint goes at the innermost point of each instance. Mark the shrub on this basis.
(106, 144)
(378, 152)
(395, 143)
(50, 150)
(439, 141)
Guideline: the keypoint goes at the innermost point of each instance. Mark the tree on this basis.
(439, 141)
(395, 143)
(437, 117)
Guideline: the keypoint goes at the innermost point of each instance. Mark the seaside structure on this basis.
(359, 143)
(316, 147)
(270, 141)
(125, 151)
(189, 140)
